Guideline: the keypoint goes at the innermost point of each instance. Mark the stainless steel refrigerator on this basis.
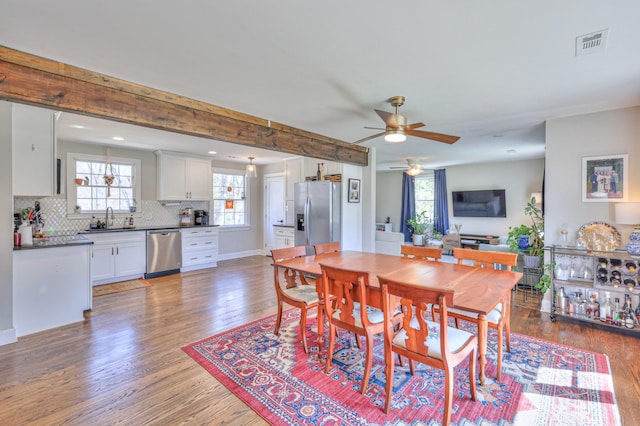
(317, 213)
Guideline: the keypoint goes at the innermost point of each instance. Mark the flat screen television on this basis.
(482, 203)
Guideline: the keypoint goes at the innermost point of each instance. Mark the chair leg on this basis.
(303, 329)
(507, 332)
(472, 374)
(278, 318)
(411, 370)
(448, 395)
(367, 363)
(332, 339)
(499, 375)
(388, 357)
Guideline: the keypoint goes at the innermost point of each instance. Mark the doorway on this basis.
(273, 208)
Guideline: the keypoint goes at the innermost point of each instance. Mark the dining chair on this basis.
(432, 343)
(293, 289)
(327, 247)
(349, 311)
(421, 253)
(499, 317)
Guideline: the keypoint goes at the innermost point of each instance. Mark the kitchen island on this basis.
(51, 283)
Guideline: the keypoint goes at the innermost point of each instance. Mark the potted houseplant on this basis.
(419, 224)
(528, 239)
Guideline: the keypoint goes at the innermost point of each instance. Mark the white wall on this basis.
(351, 212)
(568, 140)
(518, 178)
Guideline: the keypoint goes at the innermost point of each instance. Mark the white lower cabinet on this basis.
(117, 256)
(51, 287)
(199, 248)
(284, 237)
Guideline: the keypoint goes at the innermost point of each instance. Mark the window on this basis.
(87, 187)
(229, 201)
(425, 194)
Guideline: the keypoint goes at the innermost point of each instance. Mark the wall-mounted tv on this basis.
(483, 203)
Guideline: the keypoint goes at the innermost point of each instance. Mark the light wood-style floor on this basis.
(124, 365)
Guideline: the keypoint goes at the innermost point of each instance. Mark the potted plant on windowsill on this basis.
(420, 225)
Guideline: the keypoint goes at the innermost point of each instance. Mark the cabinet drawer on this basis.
(192, 244)
(284, 232)
(199, 257)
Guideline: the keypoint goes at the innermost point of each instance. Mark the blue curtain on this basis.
(408, 204)
(441, 205)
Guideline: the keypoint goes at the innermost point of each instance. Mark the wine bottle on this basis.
(318, 173)
(321, 171)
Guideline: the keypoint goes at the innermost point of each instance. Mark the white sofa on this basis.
(389, 242)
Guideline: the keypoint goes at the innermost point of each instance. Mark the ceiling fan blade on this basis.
(390, 119)
(369, 138)
(374, 128)
(439, 137)
(413, 126)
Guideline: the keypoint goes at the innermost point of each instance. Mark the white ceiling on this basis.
(490, 72)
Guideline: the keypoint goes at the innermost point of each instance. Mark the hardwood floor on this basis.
(124, 365)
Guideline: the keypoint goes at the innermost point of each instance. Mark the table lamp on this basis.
(629, 214)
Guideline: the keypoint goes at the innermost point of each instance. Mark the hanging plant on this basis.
(108, 176)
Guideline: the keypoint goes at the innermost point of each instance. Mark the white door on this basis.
(273, 208)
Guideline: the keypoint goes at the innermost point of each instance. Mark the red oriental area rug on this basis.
(543, 383)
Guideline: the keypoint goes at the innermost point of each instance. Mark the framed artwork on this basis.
(605, 178)
(354, 190)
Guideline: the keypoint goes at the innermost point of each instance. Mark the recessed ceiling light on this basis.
(117, 138)
(76, 126)
(212, 152)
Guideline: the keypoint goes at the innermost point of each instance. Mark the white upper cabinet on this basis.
(33, 148)
(181, 177)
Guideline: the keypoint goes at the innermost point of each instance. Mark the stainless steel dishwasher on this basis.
(164, 252)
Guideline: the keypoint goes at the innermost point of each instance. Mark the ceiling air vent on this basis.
(591, 43)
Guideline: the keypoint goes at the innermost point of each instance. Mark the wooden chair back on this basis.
(292, 278)
(327, 247)
(347, 287)
(485, 259)
(421, 253)
(415, 302)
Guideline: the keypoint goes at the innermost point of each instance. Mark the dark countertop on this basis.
(141, 228)
(56, 241)
(283, 226)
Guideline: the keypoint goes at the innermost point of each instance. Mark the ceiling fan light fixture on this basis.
(395, 136)
(413, 171)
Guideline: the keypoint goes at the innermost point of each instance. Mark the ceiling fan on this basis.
(397, 128)
(413, 169)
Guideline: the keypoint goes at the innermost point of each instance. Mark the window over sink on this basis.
(230, 204)
(87, 189)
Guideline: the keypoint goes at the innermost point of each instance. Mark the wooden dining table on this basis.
(476, 290)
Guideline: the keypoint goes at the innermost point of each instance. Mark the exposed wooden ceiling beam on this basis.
(33, 80)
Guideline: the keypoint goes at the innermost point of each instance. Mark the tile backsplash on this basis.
(57, 222)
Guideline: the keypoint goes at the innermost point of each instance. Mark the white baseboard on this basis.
(8, 336)
(239, 254)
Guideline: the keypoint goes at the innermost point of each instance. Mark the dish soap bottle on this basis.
(94, 222)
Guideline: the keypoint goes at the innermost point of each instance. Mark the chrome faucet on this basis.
(106, 221)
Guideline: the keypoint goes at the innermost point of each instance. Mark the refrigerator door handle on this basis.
(307, 225)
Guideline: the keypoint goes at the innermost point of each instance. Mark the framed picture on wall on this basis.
(605, 178)
(354, 190)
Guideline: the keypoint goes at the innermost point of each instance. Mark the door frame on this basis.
(268, 234)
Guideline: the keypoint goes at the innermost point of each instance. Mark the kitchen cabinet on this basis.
(33, 148)
(292, 175)
(579, 273)
(181, 177)
(51, 287)
(199, 248)
(283, 237)
(117, 256)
